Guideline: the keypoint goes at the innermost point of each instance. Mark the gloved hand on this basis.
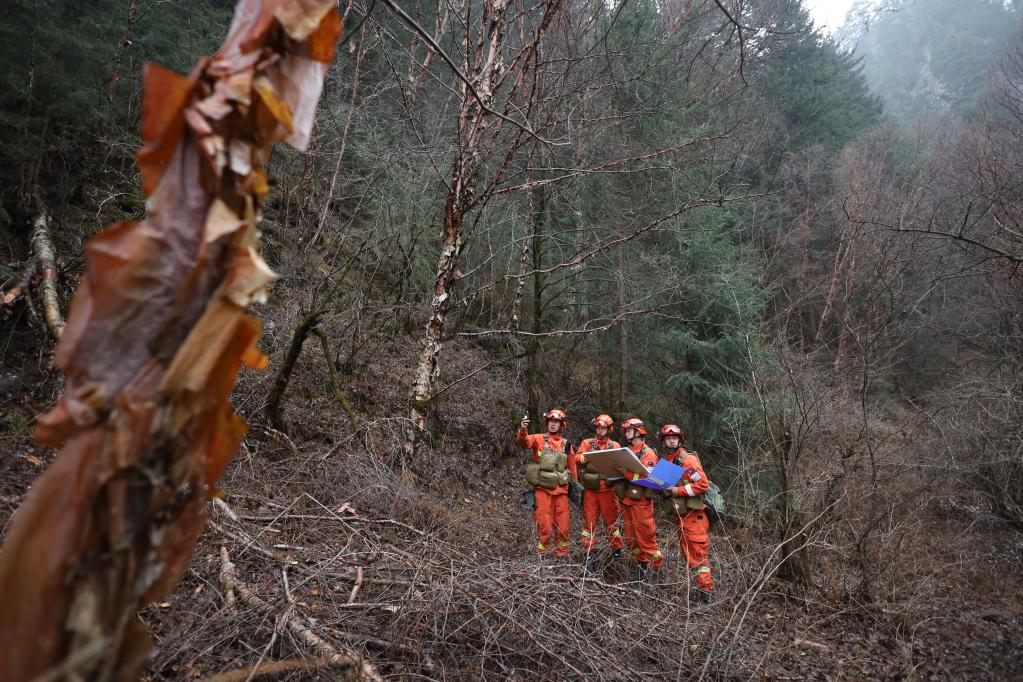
(674, 491)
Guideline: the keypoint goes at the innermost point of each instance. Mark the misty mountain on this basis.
(928, 56)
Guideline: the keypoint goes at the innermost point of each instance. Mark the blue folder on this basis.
(662, 476)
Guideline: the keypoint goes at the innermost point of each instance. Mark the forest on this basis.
(280, 280)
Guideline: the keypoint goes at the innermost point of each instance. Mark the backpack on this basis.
(715, 502)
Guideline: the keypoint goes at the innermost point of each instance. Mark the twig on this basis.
(301, 630)
(223, 506)
(466, 81)
(356, 586)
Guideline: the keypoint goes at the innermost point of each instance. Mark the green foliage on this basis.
(14, 424)
(699, 369)
(72, 71)
(820, 91)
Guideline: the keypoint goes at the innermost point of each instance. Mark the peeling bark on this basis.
(473, 119)
(158, 330)
(42, 248)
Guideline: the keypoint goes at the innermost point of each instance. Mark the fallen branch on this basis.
(356, 586)
(12, 295)
(272, 668)
(301, 630)
(42, 248)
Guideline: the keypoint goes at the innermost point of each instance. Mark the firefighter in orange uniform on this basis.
(599, 499)
(549, 473)
(637, 503)
(688, 509)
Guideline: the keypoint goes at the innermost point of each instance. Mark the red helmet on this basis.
(604, 420)
(634, 423)
(557, 413)
(671, 430)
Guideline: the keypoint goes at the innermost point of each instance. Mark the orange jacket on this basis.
(649, 459)
(590, 445)
(534, 442)
(694, 482)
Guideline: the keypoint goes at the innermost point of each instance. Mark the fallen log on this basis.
(253, 672)
(43, 251)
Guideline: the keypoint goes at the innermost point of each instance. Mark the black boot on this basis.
(617, 554)
(638, 575)
(591, 564)
(700, 597)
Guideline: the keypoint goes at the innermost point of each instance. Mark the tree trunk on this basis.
(623, 336)
(444, 281)
(795, 557)
(305, 326)
(335, 380)
(157, 333)
(532, 348)
(124, 42)
(465, 171)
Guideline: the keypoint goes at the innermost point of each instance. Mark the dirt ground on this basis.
(426, 568)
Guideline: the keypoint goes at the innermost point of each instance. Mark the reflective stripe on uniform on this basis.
(636, 551)
(540, 546)
(562, 543)
(616, 533)
(701, 569)
(587, 534)
(656, 555)
(689, 490)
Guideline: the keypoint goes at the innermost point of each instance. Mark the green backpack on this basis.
(715, 502)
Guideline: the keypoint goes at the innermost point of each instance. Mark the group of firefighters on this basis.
(555, 461)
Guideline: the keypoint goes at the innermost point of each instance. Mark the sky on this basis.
(828, 14)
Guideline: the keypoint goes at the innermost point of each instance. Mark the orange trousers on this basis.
(695, 545)
(600, 504)
(641, 533)
(551, 521)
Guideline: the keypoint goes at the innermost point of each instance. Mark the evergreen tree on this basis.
(72, 70)
(819, 89)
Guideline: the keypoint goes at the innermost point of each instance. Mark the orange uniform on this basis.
(638, 516)
(691, 525)
(598, 502)
(552, 521)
